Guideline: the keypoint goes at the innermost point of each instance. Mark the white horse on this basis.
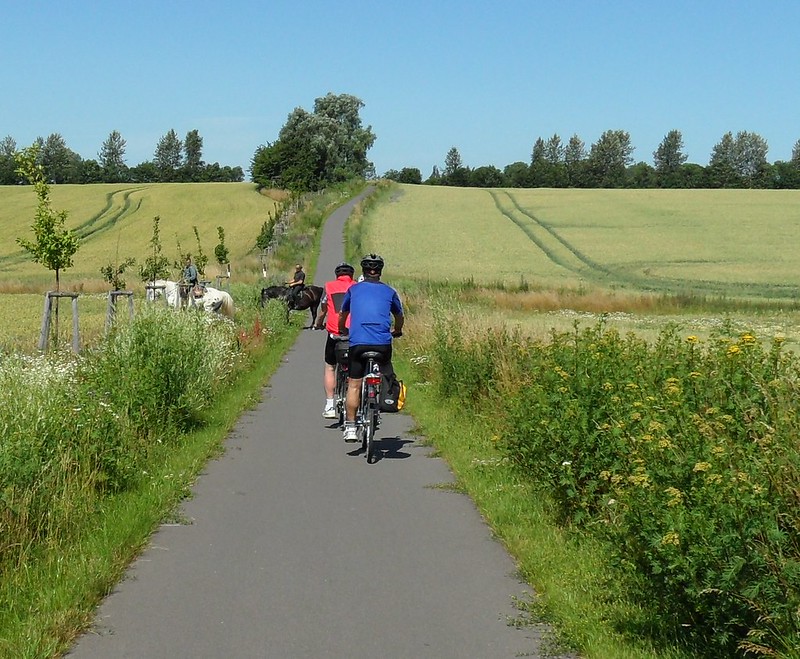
(209, 299)
(215, 300)
(164, 288)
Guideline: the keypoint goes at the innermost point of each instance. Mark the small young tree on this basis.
(221, 251)
(112, 273)
(201, 260)
(156, 265)
(267, 232)
(53, 245)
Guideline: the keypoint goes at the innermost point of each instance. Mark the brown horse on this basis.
(308, 298)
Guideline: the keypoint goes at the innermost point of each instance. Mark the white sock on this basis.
(329, 402)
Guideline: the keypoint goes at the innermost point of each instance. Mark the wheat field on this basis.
(115, 222)
(717, 242)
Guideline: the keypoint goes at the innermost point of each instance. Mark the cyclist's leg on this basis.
(357, 366)
(329, 380)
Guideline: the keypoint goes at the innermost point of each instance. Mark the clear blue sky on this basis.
(487, 78)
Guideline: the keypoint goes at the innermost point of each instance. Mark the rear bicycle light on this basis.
(373, 379)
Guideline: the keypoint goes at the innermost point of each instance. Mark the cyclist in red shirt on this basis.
(330, 305)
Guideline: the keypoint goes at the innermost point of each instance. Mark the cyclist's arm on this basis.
(343, 322)
(323, 311)
(399, 320)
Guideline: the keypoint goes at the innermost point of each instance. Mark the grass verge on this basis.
(566, 570)
(52, 598)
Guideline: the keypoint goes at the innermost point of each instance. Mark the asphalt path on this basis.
(299, 548)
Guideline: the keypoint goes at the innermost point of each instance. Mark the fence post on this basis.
(47, 316)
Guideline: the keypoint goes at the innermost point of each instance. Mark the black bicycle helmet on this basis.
(344, 269)
(372, 262)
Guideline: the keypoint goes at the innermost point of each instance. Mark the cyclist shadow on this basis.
(387, 447)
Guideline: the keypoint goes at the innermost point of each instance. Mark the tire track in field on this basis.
(111, 213)
(564, 254)
(108, 216)
(553, 246)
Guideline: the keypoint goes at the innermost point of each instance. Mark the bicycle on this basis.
(368, 412)
(341, 375)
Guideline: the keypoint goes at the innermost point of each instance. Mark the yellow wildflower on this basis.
(718, 450)
(702, 466)
(643, 480)
(676, 496)
(671, 538)
(607, 386)
(748, 338)
(734, 349)
(691, 339)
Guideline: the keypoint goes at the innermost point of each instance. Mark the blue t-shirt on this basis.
(371, 305)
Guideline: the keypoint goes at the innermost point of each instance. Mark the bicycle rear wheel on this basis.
(369, 433)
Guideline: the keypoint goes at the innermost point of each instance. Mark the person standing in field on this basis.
(190, 274)
(330, 306)
(370, 306)
(296, 285)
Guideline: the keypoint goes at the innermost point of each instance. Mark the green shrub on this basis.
(682, 456)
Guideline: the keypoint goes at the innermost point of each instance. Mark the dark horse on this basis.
(309, 298)
(273, 293)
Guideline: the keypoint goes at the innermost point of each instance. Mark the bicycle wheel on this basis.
(363, 416)
(369, 433)
(341, 392)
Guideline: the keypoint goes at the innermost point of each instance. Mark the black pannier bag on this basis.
(393, 393)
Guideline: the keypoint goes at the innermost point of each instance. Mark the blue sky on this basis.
(487, 78)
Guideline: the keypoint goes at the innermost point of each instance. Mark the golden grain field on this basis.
(718, 242)
(115, 222)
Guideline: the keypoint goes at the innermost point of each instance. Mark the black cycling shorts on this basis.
(332, 346)
(358, 364)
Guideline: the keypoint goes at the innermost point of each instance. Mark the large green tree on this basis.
(739, 161)
(193, 148)
(668, 159)
(58, 161)
(455, 173)
(315, 149)
(8, 163)
(574, 160)
(112, 158)
(609, 157)
(168, 156)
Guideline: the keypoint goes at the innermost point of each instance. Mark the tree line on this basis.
(737, 161)
(174, 160)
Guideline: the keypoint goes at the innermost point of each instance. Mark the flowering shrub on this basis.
(682, 455)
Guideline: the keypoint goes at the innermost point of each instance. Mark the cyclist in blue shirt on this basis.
(371, 305)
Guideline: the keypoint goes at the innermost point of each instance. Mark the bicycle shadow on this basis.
(386, 447)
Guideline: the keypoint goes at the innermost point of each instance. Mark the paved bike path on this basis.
(299, 548)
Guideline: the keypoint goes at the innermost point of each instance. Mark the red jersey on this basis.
(334, 294)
